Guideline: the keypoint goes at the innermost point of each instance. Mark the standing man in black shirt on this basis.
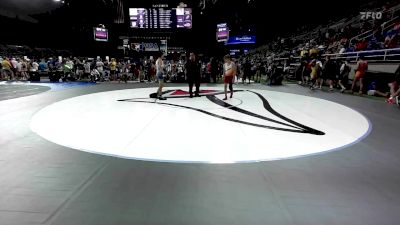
(193, 75)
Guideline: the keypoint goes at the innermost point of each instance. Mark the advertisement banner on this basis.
(100, 34)
(237, 40)
(146, 47)
(222, 32)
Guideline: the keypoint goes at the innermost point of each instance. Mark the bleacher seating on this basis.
(345, 35)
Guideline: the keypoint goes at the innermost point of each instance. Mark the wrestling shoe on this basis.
(391, 100)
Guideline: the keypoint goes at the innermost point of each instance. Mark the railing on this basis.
(384, 55)
(352, 21)
(355, 21)
(374, 55)
(393, 10)
(388, 24)
(367, 34)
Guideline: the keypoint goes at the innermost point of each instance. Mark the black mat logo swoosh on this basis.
(292, 125)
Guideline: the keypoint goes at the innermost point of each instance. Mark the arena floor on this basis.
(106, 154)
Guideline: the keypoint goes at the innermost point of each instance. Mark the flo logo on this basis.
(284, 124)
(371, 15)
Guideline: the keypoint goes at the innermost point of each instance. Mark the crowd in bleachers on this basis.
(322, 55)
(347, 35)
(314, 49)
(74, 69)
(59, 69)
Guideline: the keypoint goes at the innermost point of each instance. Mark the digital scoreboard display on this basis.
(160, 18)
(222, 32)
(184, 18)
(100, 34)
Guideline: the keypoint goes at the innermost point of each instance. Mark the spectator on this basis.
(106, 70)
(19, 69)
(394, 88)
(342, 49)
(7, 69)
(50, 64)
(328, 73)
(362, 45)
(391, 39)
(14, 64)
(35, 66)
(79, 68)
(42, 66)
(24, 70)
(300, 72)
(137, 72)
(344, 75)
(276, 77)
(59, 67)
(362, 67)
(257, 78)
(94, 75)
(1, 68)
(100, 68)
(313, 53)
(68, 69)
(87, 71)
(113, 69)
(238, 71)
(124, 71)
(374, 44)
(374, 91)
(315, 68)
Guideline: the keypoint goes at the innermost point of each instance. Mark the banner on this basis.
(100, 34)
(222, 32)
(145, 47)
(236, 40)
(164, 47)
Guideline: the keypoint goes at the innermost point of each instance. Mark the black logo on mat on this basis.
(291, 125)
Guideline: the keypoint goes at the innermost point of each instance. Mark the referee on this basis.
(193, 75)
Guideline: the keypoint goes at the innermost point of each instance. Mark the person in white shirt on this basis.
(320, 80)
(100, 67)
(344, 75)
(24, 70)
(14, 63)
(34, 70)
(35, 66)
(94, 75)
(19, 69)
(86, 69)
(342, 50)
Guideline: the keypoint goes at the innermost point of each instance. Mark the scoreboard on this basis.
(160, 18)
(222, 32)
(100, 34)
(184, 18)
